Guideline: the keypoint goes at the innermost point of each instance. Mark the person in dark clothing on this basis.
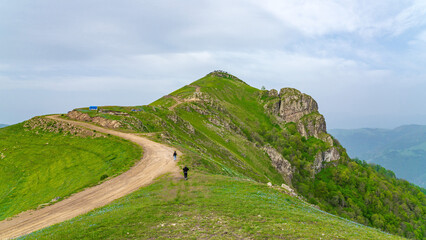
(174, 155)
(185, 172)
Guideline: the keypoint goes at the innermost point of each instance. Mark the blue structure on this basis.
(93, 108)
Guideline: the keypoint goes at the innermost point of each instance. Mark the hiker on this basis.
(174, 155)
(185, 172)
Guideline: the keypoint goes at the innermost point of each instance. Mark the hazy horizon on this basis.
(362, 61)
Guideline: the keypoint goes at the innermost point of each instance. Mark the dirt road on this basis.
(157, 160)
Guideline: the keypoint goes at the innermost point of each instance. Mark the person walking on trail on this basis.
(185, 172)
(174, 155)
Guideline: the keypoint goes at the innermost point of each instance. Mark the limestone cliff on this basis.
(280, 163)
(290, 105)
(322, 158)
(294, 104)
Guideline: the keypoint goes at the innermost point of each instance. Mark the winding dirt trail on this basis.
(157, 160)
(180, 101)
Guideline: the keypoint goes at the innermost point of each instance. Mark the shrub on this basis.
(104, 176)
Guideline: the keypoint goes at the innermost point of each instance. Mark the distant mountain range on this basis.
(3, 125)
(402, 150)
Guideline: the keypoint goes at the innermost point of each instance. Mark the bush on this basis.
(104, 176)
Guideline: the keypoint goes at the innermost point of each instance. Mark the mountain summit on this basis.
(260, 155)
(224, 126)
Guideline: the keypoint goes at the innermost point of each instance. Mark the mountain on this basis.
(226, 127)
(402, 150)
(262, 165)
(3, 125)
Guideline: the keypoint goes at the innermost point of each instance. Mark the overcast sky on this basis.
(363, 61)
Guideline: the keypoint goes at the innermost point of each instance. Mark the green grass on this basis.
(184, 92)
(164, 102)
(225, 131)
(208, 206)
(240, 107)
(37, 166)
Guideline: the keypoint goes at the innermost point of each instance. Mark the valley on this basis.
(402, 150)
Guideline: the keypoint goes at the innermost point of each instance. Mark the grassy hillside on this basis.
(402, 150)
(223, 126)
(208, 206)
(41, 159)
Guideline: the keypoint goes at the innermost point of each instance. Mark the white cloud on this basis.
(366, 18)
(421, 37)
(314, 17)
(413, 16)
(332, 49)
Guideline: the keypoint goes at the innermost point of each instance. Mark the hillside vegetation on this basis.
(42, 160)
(208, 207)
(402, 150)
(226, 127)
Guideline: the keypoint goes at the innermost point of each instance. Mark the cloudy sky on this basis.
(363, 61)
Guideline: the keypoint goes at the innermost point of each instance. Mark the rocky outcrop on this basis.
(111, 112)
(312, 124)
(294, 104)
(280, 163)
(76, 115)
(321, 158)
(328, 139)
(134, 123)
(42, 124)
(290, 105)
(223, 74)
(273, 93)
(180, 122)
(290, 191)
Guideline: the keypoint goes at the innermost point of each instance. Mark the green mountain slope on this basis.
(41, 160)
(224, 126)
(402, 150)
(208, 207)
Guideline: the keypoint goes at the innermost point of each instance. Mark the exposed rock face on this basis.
(99, 120)
(273, 93)
(134, 123)
(223, 74)
(295, 104)
(48, 125)
(176, 119)
(116, 113)
(280, 163)
(273, 106)
(289, 190)
(290, 105)
(312, 125)
(328, 139)
(330, 155)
